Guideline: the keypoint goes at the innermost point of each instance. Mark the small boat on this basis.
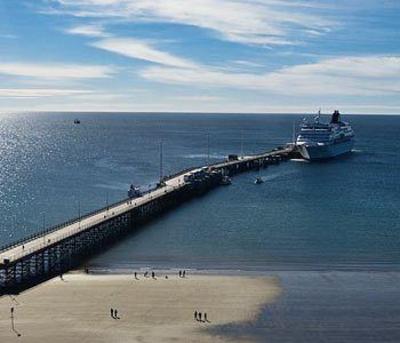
(226, 181)
(77, 121)
(259, 180)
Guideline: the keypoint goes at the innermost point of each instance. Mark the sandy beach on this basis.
(150, 310)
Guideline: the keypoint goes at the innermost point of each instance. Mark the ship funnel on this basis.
(335, 117)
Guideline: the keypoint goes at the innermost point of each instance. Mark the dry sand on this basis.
(78, 309)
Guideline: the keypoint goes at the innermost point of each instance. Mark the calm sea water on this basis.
(342, 214)
(329, 231)
(329, 307)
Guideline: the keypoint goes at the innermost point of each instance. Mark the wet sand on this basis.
(150, 310)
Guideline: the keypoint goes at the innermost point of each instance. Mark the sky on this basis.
(248, 56)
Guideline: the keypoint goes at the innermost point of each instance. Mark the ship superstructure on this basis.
(317, 140)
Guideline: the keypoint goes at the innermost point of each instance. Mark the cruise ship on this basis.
(318, 140)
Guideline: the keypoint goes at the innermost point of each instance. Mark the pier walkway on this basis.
(54, 251)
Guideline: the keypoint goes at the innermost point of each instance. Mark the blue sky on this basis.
(200, 55)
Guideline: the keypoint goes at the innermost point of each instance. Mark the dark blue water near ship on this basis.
(339, 214)
(330, 231)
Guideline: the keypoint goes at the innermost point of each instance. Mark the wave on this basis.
(299, 160)
(116, 186)
(105, 163)
(275, 176)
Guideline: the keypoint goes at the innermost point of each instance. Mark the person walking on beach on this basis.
(136, 276)
(116, 314)
(112, 313)
(12, 322)
(199, 316)
(153, 275)
(195, 315)
(205, 317)
(180, 273)
(184, 273)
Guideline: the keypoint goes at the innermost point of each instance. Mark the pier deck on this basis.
(49, 253)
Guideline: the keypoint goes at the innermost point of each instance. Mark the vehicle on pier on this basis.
(134, 192)
(233, 157)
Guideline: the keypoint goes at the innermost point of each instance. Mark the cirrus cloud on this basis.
(266, 22)
(137, 49)
(366, 76)
(91, 30)
(56, 71)
(39, 92)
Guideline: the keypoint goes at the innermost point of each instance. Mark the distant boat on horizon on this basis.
(77, 121)
(319, 141)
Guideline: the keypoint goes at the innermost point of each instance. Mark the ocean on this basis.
(304, 221)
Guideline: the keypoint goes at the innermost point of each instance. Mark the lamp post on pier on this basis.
(161, 162)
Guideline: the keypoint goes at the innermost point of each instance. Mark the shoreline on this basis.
(243, 269)
(150, 310)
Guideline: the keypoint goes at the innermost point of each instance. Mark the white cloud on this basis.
(56, 71)
(247, 63)
(195, 98)
(38, 92)
(87, 30)
(267, 22)
(345, 76)
(141, 50)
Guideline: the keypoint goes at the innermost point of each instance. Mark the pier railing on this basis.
(54, 228)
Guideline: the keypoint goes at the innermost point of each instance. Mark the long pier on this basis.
(54, 251)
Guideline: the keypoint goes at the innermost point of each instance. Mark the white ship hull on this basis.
(325, 151)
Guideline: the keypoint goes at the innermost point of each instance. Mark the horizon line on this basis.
(197, 112)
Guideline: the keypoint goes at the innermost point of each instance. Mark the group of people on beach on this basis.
(147, 275)
(182, 274)
(201, 317)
